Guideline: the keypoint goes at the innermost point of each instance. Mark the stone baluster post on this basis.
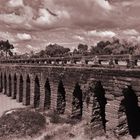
(130, 62)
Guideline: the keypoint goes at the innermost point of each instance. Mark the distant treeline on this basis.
(113, 47)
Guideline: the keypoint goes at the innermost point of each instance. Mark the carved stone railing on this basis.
(129, 61)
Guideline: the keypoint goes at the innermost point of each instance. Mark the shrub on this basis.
(54, 117)
(19, 123)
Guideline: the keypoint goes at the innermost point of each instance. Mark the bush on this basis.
(19, 123)
(57, 118)
(54, 117)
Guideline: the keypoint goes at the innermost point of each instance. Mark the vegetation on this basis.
(52, 50)
(114, 47)
(81, 49)
(6, 47)
(21, 123)
(58, 119)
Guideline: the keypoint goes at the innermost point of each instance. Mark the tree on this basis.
(75, 51)
(82, 48)
(56, 50)
(100, 48)
(6, 47)
(42, 53)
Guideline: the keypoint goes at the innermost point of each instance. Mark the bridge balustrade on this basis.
(129, 61)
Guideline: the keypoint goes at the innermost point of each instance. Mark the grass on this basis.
(61, 119)
(26, 124)
(21, 123)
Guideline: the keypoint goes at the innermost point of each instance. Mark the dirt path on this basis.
(6, 103)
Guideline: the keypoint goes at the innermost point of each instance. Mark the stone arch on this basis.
(130, 112)
(37, 93)
(10, 85)
(47, 101)
(20, 88)
(1, 82)
(77, 103)
(28, 90)
(5, 83)
(100, 101)
(61, 99)
(15, 87)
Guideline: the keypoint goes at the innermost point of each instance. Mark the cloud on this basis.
(48, 19)
(86, 20)
(77, 37)
(15, 3)
(11, 18)
(95, 33)
(45, 17)
(7, 36)
(104, 4)
(131, 32)
(29, 46)
(80, 13)
(24, 36)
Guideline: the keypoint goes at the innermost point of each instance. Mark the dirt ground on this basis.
(7, 103)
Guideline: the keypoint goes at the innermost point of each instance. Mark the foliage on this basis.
(56, 50)
(54, 117)
(19, 123)
(58, 119)
(82, 48)
(52, 50)
(6, 47)
(115, 47)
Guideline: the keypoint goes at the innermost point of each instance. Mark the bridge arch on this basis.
(77, 103)
(61, 99)
(47, 101)
(101, 101)
(1, 82)
(5, 83)
(10, 85)
(15, 86)
(20, 88)
(28, 90)
(130, 112)
(37, 92)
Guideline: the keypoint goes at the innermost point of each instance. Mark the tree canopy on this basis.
(114, 47)
(53, 50)
(56, 50)
(6, 47)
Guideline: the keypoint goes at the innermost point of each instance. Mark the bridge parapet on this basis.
(130, 61)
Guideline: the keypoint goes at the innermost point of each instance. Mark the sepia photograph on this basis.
(69, 69)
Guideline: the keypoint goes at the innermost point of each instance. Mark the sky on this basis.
(32, 24)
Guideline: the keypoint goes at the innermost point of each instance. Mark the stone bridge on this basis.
(104, 90)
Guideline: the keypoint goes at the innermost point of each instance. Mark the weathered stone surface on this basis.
(84, 103)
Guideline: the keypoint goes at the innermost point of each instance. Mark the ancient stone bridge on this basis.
(104, 90)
